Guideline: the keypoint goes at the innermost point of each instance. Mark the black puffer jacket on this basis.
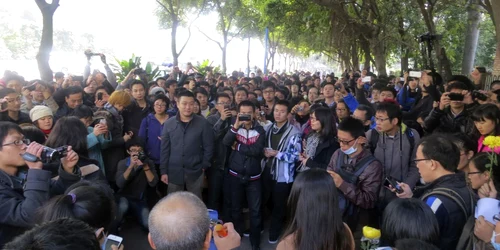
(248, 150)
(446, 122)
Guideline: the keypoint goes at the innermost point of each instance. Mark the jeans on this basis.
(279, 198)
(138, 207)
(252, 191)
(191, 186)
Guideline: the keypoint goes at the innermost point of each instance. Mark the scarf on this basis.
(311, 145)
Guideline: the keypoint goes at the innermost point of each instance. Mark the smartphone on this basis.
(300, 108)
(227, 106)
(244, 118)
(99, 96)
(456, 97)
(113, 240)
(367, 79)
(416, 74)
(4, 105)
(391, 182)
(401, 79)
(103, 121)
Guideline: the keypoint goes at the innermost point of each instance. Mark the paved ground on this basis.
(134, 238)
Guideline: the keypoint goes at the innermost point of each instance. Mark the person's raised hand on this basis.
(114, 247)
(483, 229)
(35, 149)
(164, 178)
(231, 241)
(407, 193)
(103, 58)
(445, 101)
(70, 160)
(226, 113)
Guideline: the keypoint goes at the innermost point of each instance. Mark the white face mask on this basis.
(352, 149)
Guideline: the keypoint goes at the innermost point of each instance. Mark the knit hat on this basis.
(40, 111)
(155, 90)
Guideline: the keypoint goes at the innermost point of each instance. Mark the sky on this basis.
(124, 27)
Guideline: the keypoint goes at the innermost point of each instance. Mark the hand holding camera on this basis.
(445, 101)
(70, 160)
(36, 150)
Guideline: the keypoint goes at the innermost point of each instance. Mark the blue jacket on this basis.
(95, 145)
(404, 98)
(150, 132)
(351, 102)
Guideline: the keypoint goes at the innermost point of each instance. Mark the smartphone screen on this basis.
(416, 74)
(113, 240)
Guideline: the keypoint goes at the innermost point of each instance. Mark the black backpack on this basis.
(466, 241)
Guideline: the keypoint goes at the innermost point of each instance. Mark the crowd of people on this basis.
(317, 156)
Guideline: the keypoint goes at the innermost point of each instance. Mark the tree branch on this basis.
(209, 38)
(164, 7)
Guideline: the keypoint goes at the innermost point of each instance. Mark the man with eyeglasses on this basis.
(21, 197)
(10, 110)
(357, 175)
(446, 192)
(220, 122)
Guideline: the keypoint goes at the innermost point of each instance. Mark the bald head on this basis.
(179, 221)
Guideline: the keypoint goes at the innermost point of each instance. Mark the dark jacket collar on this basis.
(452, 181)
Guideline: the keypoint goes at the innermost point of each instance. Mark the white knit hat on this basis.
(40, 111)
(155, 90)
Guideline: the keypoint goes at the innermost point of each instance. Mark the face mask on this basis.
(259, 98)
(351, 150)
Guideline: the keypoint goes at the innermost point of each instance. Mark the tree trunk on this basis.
(224, 53)
(365, 46)
(380, 58)
(405, 54)
(47, 41)
(472, 37)
(495, 6)
(444, 62)
(175, 56)
(248, 58)
(354, 57)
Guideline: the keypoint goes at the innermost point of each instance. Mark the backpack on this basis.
(346, 207)
(375, 136)
(466, 240)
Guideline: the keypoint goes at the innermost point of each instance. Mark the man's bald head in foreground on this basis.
(179, 221)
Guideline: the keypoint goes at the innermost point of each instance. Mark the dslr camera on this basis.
(53, 154)
(141, 156)
(89, 53)
(139, 71)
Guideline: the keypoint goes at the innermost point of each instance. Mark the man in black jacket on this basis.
(138, 109)
(220, 122)
(73, 97)
(452, 116)
(187, 145)
(247, 139)
(437, 159)
(21, 197)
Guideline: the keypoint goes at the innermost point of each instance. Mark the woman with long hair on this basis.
(315, 221)
(321, 142)
(486, 118)
(479, 176)
(70, 131)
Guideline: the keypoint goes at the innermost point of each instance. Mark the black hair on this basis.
(284, 103)
(160, 78)
(199, 105)
(246, 103)
(345, 104)
(315, 220)
(6, 128)
(58, 75)
(457, 85)
(136, 82)
(204, 83)
(101, 87)
(437, 79)
(162, 97)
(463, 79)
(369, 113)
(60, 234)
(327, 120)
(33, 133)
(71, 90)
(389, 89)
(241, 89)
(393, 111)
(312, 87)
(352, 126)
(222, 94)
(288, 82)
(69, 131)
(134, 142)
(481, 69)
(268, 84)
(414, 244)
(178, 90)
(403, 218)
(6, 91)
(89, 201)
(82, 111)
(185, 93)
(170, 82)
(464, 142)
(494, 83)
(378, 86)
(284, 91)
(481, 160)
(201, 91)
(488, 111)
(439, 148)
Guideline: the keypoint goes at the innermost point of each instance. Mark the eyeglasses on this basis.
(223, 103)
(474, 173)
(160, 105)
(340, 109)
(345, 142)
(381, 119)
(19, 142)
(418, 160)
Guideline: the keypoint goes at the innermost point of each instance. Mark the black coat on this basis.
(186, 151)
(133, 115)
(220, 129)
(324, 152)
(18, 204)
(445, 121)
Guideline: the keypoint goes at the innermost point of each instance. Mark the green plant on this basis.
(205, 66)
(123, 67)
